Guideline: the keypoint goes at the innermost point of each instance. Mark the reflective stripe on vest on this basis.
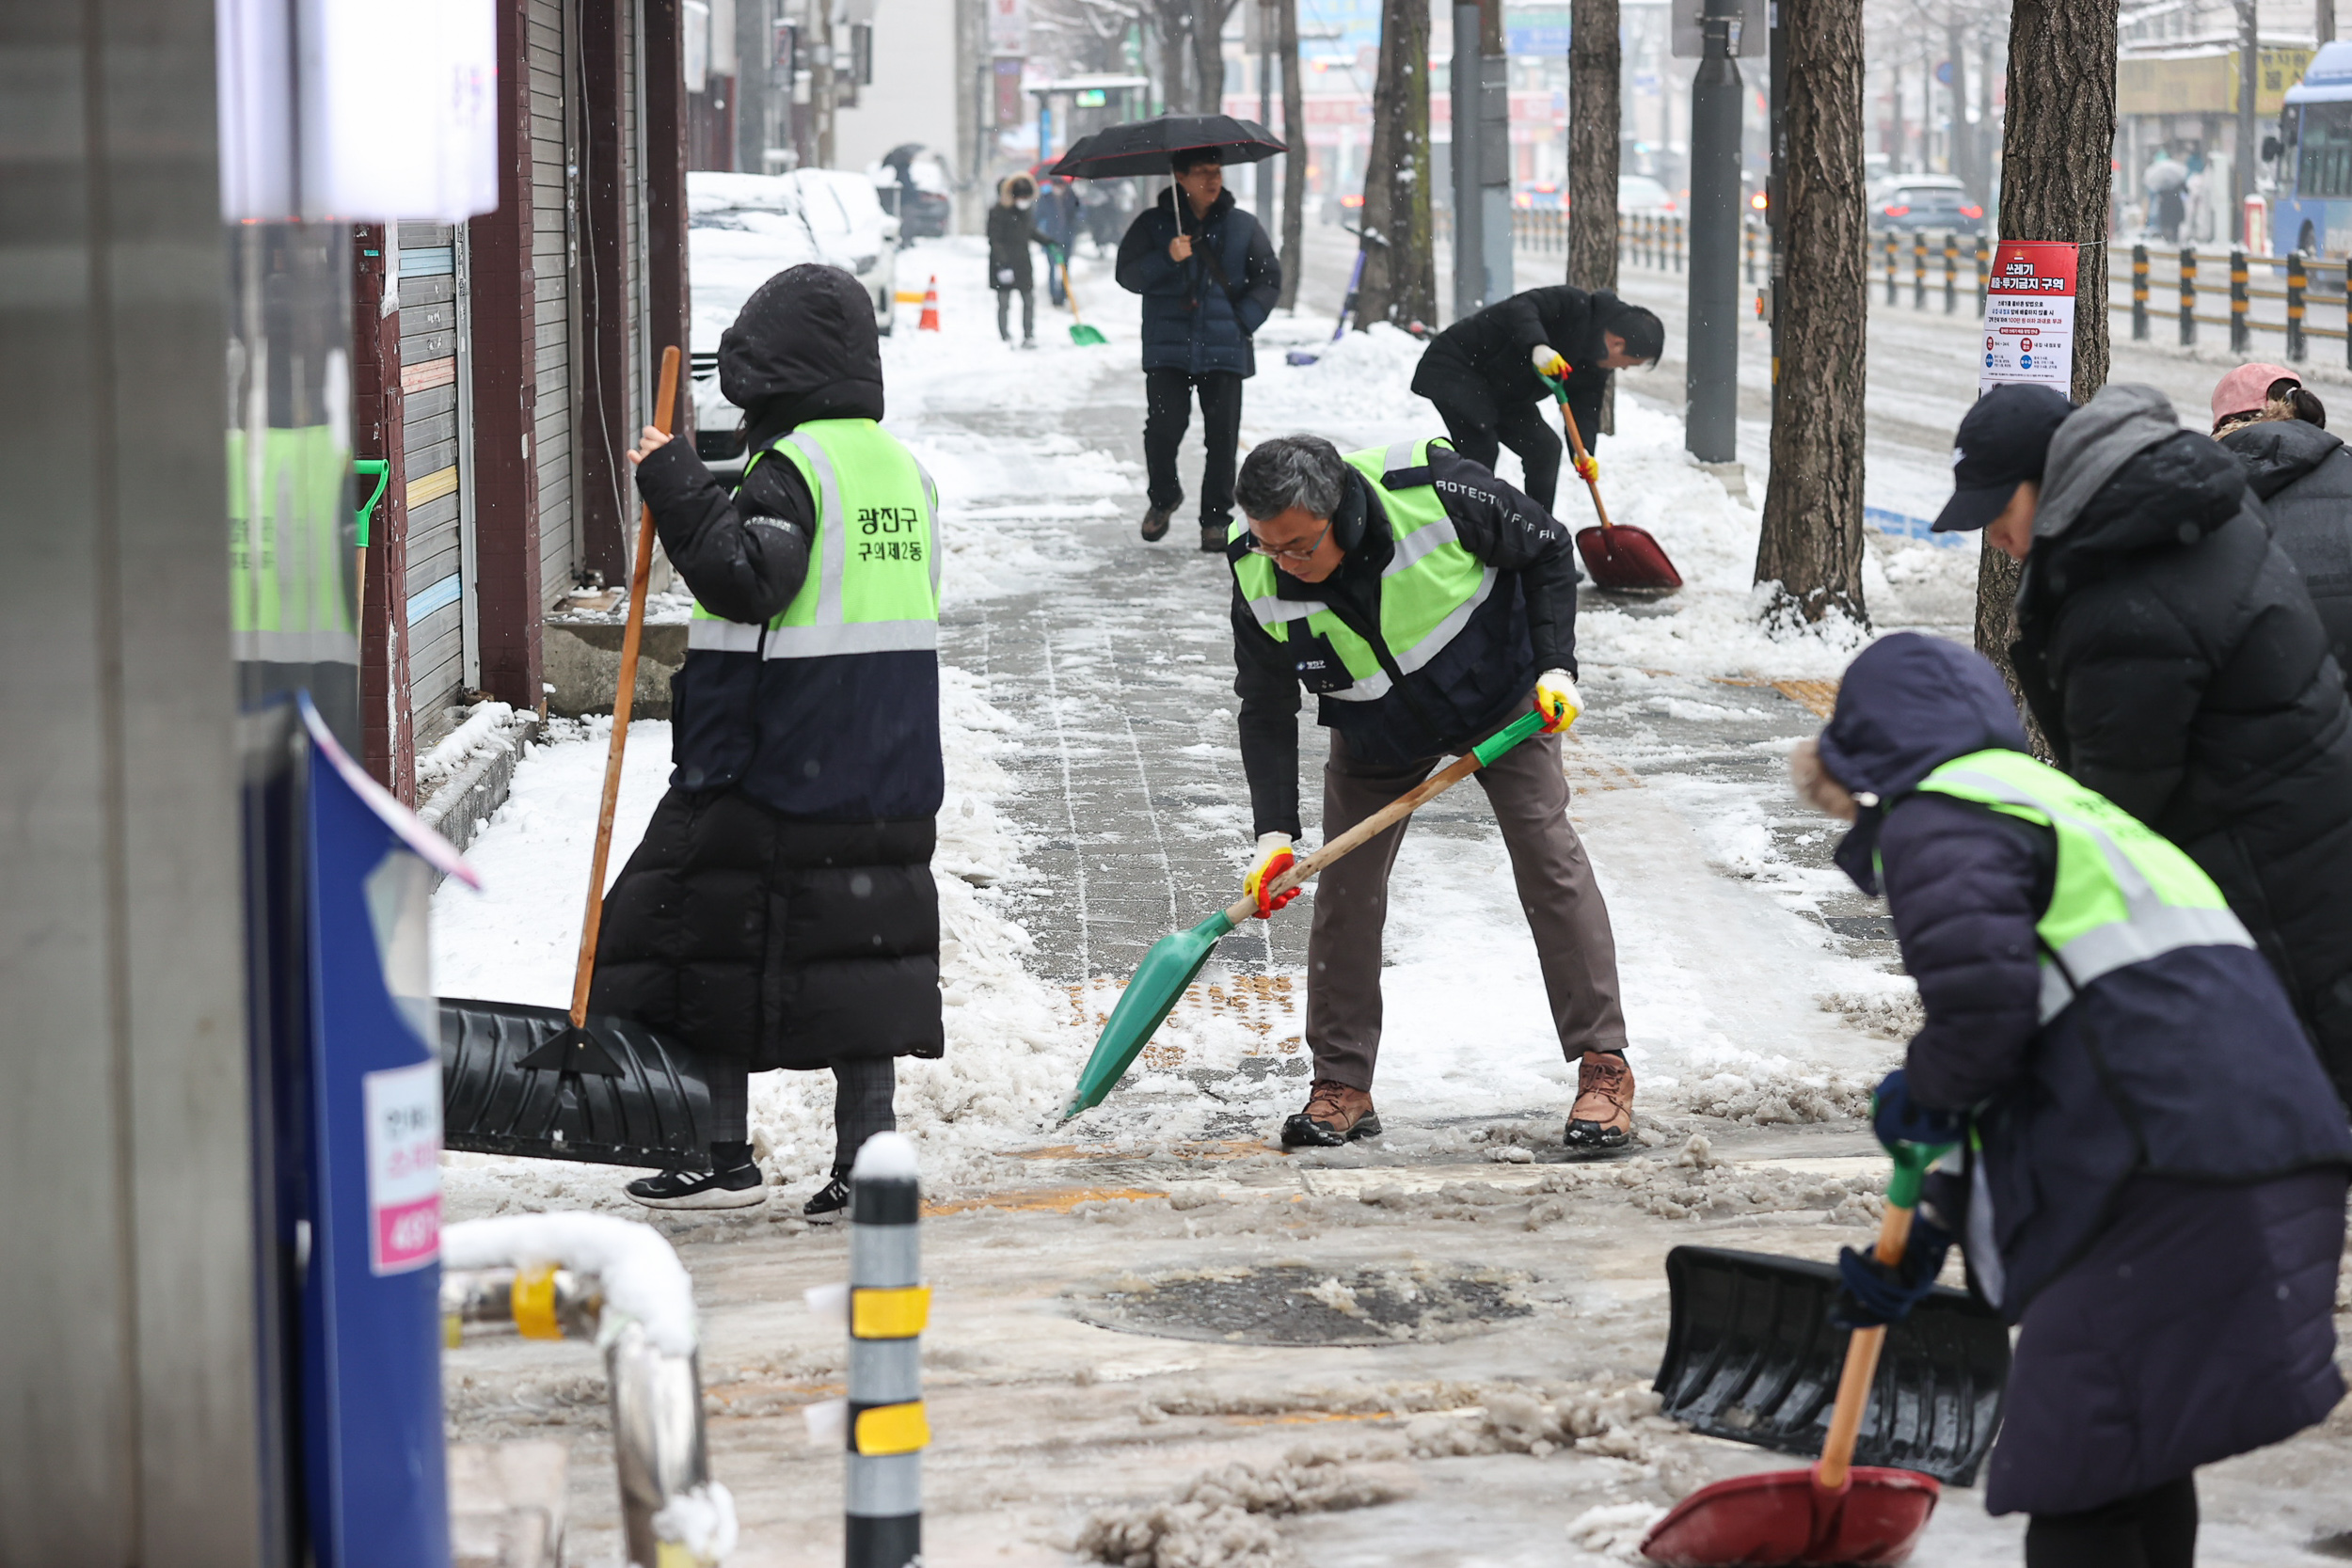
(873, 580)
(290, 595)
(2123, 894)
(1430, 590)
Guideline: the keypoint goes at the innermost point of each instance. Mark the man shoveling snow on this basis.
(1427, 604)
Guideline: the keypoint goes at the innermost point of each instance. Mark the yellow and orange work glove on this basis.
(1547, 362)
(1557, 700)
(1274, 858)
(1588, 468)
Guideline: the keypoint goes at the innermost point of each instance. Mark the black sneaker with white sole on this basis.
(742, 1187)
(830, 1200)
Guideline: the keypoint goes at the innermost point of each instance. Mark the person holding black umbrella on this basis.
(1209, 278)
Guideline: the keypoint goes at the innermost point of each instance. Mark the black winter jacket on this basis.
(1199, 315)
(1493, 348)
(1525, 626)
(2178, 668)
(2303, 477)
(2188, 1065)
(780, 909)
(1010, 232)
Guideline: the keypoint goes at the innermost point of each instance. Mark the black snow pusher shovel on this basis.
(1751, 1355)
(548, 1084)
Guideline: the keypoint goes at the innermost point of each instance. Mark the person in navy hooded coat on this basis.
(2156, 1192)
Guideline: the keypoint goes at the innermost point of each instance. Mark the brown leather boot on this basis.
(1335, 1113)
(1603, 1116)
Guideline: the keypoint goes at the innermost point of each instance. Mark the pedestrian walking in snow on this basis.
(1057, 227)
(1209, 279)
(2303, 478)
(780, 912)
(1012, 230)
(2176, 664)
(2154, 1177)
(1483, 374)
(1426, 604)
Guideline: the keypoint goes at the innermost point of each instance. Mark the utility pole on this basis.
(1469, 196)
(1494, 150)
(1263, 12)
(2249, 56)
(1295, 161)
(2323, 23)
(823, 96)
(1711, 377)
(755, 88)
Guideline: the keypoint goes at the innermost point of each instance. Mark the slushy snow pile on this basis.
(1219, 1519)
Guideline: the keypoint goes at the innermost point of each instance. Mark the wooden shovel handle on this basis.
(1371, 827)
(1576, 444)
(640, 566)
(1861, 1367)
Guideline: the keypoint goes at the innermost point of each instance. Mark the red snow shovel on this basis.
(1622, 558)
(1835, 1512)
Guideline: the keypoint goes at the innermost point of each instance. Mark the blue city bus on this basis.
(2312, 210)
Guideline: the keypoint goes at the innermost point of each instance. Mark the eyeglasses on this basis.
(1259, 547)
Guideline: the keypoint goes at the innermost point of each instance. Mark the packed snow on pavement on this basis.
(1455, 1327)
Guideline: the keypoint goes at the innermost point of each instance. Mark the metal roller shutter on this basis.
(554, 253)
(437, 441)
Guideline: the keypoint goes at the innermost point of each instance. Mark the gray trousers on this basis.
(1574, 945)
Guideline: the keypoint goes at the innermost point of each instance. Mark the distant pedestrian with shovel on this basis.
(1012, 230)
(1427, 604)
(1209, 279)
(2150, 1171)
(1487, 374)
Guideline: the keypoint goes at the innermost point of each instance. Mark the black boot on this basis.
(1155, 523)
(831, 1199)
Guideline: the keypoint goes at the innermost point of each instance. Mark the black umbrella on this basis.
(1146, 146)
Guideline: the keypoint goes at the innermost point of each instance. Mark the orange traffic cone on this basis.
(930, 307)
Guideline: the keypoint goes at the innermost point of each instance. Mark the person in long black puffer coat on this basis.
(2156, 1191)
(2303, 477)
(780, 911)
(1012, 230)
(2177, 667)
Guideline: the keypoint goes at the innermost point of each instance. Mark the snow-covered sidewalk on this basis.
(1095, 803)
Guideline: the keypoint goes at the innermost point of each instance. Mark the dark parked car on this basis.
(1933, 202)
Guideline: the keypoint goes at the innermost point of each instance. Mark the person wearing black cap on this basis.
(1483, 373)
(2175, 663)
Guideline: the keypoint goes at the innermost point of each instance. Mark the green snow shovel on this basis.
(1080, 333)
(1172, 962)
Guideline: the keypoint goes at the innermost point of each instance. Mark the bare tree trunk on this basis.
(1208, 53)
(2055, 146)
(1295, 161)
(1400, 270)
(1812, 536)
(1596, 65)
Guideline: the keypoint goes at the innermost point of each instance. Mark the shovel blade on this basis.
(1087, 337)
(1780, 1517)
(1627, 560)
(1158, 981)
(520, 1081)
(1751, 1355)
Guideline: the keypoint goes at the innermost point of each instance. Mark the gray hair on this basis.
(1305, 472)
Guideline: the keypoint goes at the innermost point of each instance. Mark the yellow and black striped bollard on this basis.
(2188, 296)
(2297, 351)
(2140, 293)
(2241, 328)
(889, 1305)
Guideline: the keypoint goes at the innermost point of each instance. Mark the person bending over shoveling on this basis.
(1426, 604)
(2155, 1175)
(1485, 374)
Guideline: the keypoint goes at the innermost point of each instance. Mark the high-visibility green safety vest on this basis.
(2125, 892)
(1430, 590)
(290, 599)
(873, 579)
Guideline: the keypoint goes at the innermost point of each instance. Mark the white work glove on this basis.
(1548, 362)
(1272, 857)
(1557, 700)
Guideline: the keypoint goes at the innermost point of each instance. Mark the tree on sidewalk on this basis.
(1399, 269)
(2056, 177)
(1811, 545)
(1596, 64)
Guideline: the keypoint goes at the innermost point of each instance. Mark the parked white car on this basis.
(744, 228)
